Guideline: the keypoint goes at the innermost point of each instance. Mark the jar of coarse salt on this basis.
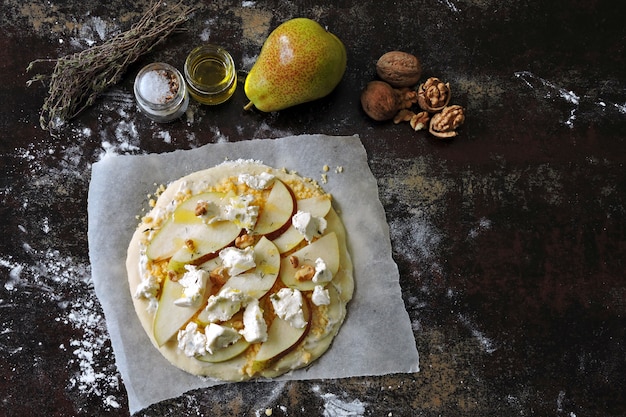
(161, 92)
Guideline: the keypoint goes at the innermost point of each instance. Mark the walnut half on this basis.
(445, 123)
(305, 273)
(244, 241)
(433, 95)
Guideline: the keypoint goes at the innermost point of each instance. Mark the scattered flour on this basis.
(620, 107)
(55, 279)
(485, 343)
(561, 401)
(450, 5)
(337, 407)
(552, 90)
(111, 149)
(205, 34)
(165, 136)
(126, 132)
(248, 61)
(91, 380)
(218, 136)
(268, 400)
(91, 32)
(67, 283)
(483, 224)
(417, 239)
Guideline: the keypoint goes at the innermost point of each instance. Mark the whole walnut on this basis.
(382, 102)
(399, 69)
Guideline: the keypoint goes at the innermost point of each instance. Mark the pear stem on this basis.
(248, 106)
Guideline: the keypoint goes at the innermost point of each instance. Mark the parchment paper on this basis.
(376, 337)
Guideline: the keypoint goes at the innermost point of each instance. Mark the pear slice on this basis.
(326, 247)
(282, 338)
(260, 280)
(318, 207)
(184, 226)
(277, 211)
(205, 245)
(211, 264)
(226, 353)
(169, 318)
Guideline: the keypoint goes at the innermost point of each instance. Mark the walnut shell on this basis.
(380, 101)
(445, 123)
(399, 69)
(433, 95)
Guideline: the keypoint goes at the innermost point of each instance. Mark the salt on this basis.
(155, 87)
(160, 92)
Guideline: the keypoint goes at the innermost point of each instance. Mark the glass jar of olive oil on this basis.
(210, 74)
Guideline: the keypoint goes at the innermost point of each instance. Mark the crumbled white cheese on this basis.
(320, 296)
(237, 260)
(213, 212)
(148, 288)
(149, 285)
(194, 282)
(241, 212)
(224, 305)
(191, 341)
(218, 337)
(322, 274)
(287, 304)
(257, 182)
(254, 326)
(308, 225)
(238, 210)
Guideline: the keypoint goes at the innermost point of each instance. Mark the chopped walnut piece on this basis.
(172, 275)
(190, 244)
(244, 241)
(408, 97)
(294, 261)
(433, 95)
(403, 115)
(305, 273)
(219, 276)
(419, 120)
(201, 208)
(444, 124)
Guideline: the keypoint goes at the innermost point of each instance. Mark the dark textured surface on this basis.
(510, 239)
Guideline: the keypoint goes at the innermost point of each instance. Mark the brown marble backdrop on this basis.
(510, 239)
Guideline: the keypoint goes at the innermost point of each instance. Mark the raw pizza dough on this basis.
(147, 276)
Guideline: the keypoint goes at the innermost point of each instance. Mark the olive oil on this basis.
(210, 74)
(210, 71)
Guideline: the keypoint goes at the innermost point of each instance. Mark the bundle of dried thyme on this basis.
(77, 79)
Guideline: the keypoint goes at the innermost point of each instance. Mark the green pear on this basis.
(299, 62)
